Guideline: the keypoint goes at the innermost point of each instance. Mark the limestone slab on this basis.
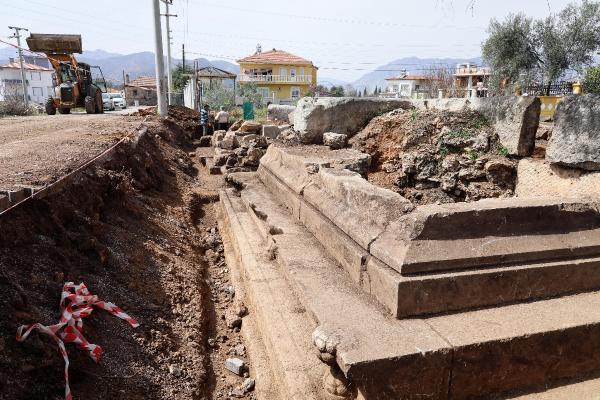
(575, 140)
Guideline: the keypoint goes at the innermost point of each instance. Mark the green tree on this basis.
(521, 48)
(219, 96)
(179, 76)
(249, 91)
(591, 82)
(336, 91)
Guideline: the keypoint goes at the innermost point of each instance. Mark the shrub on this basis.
(591, 82)
(14, 105)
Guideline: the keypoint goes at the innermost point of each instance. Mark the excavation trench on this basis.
(140, 230)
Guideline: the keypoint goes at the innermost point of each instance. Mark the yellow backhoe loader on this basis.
(74, 85)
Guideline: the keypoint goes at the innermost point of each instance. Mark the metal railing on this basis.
(553, 89)
(276, 78)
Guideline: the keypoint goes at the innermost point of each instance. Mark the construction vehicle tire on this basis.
(90, 105)
(63, 110)
(100, 104)
(50, 108)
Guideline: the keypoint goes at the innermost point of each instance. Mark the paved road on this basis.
(38, 150)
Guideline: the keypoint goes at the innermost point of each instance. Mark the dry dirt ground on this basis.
(140, 230)
(37, 150)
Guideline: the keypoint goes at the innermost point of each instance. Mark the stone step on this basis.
(435, 292)
(472, 354)
(280, 319)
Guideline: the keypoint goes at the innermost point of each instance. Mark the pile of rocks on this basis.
(432, 156)
(241, 147)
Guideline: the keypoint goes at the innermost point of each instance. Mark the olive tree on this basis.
(542, 50)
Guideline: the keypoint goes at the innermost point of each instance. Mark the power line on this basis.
(440, 67)
(338, 20)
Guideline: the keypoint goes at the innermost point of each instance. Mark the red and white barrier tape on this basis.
(76, 303)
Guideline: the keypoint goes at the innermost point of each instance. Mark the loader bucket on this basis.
(51, 43)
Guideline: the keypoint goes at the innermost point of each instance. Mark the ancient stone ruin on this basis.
(360, 292)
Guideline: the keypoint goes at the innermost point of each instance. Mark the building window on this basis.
(37, 91)
(36, 76)
(283, 72)
(264, 92)
(293, 72)
(395, 88)
(135, 93)
(295, 93)
(405, 89)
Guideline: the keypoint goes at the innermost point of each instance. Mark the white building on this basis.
(410, 86)
(38, 79)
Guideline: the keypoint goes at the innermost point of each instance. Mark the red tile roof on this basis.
(143, 81)
(274, 57)
(16, 65)
(411, 78)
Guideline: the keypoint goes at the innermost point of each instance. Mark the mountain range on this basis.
(142, 64)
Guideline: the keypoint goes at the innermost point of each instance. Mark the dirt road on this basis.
(37, 150)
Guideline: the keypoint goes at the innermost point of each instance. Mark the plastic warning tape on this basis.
(76, 303)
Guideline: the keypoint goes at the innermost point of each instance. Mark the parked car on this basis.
(118, 101)
(107, 102)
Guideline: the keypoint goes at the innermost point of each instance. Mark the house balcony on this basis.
(301, 79)
(471, 71)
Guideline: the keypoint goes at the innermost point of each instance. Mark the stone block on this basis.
(335, 140)
(359, 208)
(271, 131)
(489, 232)
(515, 120)
(205, 141)
(235, 365)
(575, 140)
(276, 112)
(230, 141)
(537, 178)
(253, 140)
(250, 127)
(346, 115)
(216, 138)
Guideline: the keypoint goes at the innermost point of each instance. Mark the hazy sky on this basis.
(344, 38)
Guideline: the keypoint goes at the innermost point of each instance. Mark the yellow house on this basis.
(281, 77)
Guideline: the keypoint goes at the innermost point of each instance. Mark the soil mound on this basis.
(437, 156)
(123, 228)
(184, 117)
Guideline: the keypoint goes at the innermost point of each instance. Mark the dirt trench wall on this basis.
(122, 228)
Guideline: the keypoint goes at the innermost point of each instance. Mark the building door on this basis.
(283, 74)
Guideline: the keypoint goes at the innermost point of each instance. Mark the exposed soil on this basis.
(437, 156)
(186, 118)
(37, 150)
(140, 231)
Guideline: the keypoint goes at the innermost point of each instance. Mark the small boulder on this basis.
(235, 365)
(217, 137)
(500, 171)
(205, 141)
(253, 140)
(230, 141)
(250, 127)
(270, 131)
(335, 140)
(236, 125)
